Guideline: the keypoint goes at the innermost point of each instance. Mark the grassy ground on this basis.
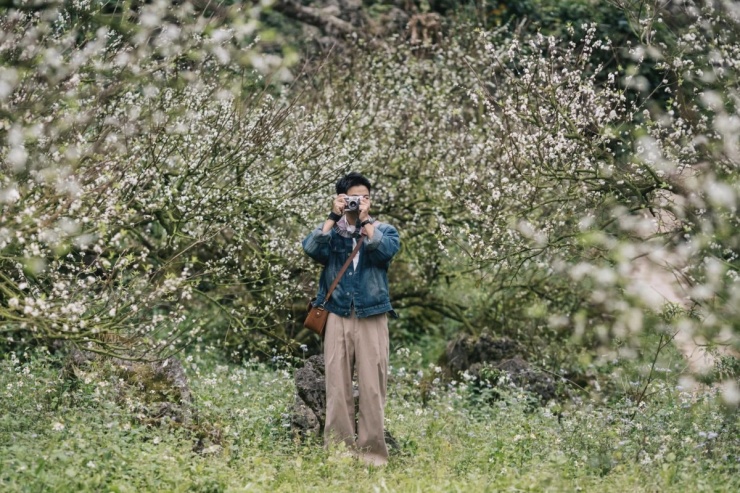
(60, 437)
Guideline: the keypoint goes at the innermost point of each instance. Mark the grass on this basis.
(56, 436)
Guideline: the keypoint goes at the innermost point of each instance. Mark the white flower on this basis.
(9, 196)
(13, 302)
(57, 426)
(212, 449)
(730, 393)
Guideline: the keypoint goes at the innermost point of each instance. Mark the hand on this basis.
(338, 205)
(364, 209)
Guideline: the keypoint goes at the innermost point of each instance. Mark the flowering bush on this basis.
(605, 197)
(556, 193)
(143, 163)
(155, 185)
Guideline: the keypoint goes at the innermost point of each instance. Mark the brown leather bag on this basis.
(317, 315)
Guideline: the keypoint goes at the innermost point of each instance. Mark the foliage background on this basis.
(563, 173)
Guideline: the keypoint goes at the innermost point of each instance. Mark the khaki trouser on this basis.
(360, 343)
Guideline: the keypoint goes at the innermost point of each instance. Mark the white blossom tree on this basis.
(155, 186)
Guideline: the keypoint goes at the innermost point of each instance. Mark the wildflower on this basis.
(212, 449)
(57, 426)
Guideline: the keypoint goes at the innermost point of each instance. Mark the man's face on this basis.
(359, 190)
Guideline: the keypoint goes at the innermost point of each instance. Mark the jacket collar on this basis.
(341, 228)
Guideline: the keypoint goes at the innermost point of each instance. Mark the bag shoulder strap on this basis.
(343, 270)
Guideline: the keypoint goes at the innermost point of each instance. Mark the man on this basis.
(356, 333)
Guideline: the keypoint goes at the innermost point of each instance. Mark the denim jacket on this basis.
(364, 288)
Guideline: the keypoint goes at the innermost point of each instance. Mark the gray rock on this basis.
(485, 354)
(309, 410)
(161, 387)
(466, 351)
(534, 381)
(304, 421)
(158, 391)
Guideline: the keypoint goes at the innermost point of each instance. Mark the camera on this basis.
(352, 203)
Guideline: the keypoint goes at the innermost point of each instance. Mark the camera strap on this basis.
(343, 270)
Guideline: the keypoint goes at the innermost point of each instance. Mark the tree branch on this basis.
(320, 18)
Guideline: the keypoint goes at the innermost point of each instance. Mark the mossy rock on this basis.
(487, 358)
(156, 392)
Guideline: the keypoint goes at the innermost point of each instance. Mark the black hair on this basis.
(353, 179)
